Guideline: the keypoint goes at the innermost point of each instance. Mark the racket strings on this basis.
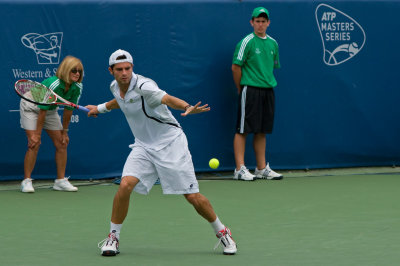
(36, 92)
(49, 97)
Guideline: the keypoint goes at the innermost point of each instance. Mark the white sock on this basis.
(217, 225)
(116, 228)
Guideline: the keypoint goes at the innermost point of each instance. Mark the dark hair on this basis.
(262, 15)
(119, 58)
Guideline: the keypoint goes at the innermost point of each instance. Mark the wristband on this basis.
(187, 106)
(102, 108)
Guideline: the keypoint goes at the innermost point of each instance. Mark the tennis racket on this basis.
(37, 93)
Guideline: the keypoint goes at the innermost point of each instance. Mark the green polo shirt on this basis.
(258, 58)
(58, 86)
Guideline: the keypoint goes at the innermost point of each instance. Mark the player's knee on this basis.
(195, 198)
(190, 198)
(127, 185)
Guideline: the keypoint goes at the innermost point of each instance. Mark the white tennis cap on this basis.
(113, 58)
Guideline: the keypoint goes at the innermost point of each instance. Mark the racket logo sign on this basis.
(342, 36)
(47, 47)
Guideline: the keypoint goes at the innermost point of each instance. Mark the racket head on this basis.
(34, 92)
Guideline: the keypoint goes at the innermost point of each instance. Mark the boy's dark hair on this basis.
(262, 15)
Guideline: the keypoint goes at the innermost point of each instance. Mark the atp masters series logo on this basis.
(342, 37)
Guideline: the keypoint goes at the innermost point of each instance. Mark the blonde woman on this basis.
(67, 84)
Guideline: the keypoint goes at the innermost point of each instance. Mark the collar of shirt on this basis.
(134, 79)
(62, 84)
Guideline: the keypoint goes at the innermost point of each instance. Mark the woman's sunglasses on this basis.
(74, 71)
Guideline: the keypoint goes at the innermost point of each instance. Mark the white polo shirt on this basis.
(151, 122)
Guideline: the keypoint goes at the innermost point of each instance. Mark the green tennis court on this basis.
(308, 218)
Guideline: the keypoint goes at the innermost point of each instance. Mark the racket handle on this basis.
(83, 109)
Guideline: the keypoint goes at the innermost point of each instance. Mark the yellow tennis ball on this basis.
(213, 163)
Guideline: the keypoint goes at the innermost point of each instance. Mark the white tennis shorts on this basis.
(172, 164)
(29, 114)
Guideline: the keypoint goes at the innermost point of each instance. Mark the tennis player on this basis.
(67, 83)
(160, 149)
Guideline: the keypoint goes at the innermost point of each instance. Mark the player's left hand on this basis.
(93, 110)
(195, 109)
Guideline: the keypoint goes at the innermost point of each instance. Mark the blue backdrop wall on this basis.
(336, 99)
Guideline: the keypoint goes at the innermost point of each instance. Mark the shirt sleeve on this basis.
(47, 82)
(75, 96)
(277, 63)
(241, 51)
(151, 93)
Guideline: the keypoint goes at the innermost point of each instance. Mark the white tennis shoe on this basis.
(64, 185)
(267, 173)
(226, 241)
(243, 174)
(110, 245)
(26, 186)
